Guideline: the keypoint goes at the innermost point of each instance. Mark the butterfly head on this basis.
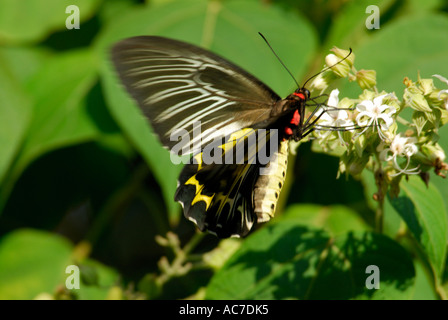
(301, 94)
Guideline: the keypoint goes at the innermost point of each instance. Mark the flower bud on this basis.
(444, 116)
(367, 95)
(433, 152)
(322, 81)
(355, 165)
(340, 62)
(344, 54)
(416, 100)
(426, 86)
(366, 79)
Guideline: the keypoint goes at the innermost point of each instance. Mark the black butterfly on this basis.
(177, 85)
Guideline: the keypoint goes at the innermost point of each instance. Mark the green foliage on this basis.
(288, 261)
(77, 159)
(424, 213)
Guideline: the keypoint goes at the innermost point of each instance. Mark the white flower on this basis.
(375, 114)
(331, 59)
(401, 147)
(443, 79)
(333, 118)
(319, 83)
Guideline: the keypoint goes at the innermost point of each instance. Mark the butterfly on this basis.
(179, 86)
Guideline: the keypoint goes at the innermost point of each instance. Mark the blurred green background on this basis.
(83, 180)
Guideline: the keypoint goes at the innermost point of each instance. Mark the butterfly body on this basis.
(239, 161)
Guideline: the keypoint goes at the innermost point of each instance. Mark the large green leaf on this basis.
(228, 28)
(288, 261)
(15, 113)
(32, 262)
(423, 210)
(24, 61)
(402, 48)
(349, 26)
(31, 20)
(97, 280)
(60, 114)
(333, 219)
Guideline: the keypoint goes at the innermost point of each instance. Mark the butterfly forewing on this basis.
(177, 85)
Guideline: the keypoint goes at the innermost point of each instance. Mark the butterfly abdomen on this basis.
(269, 184)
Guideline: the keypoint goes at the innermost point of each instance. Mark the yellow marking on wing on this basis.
(199, 196)
(239, 134)
(198, 158)
(229, 145)
(235, 137)
(236, 181)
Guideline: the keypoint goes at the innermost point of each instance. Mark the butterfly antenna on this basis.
(278, 58)
(329, 67)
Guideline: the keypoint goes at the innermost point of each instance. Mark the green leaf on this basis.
(15, 113)
(32, 262)
(289, 261)
(424, 283)
(349, 26)
(228, 28)
(60, 114)
(402, 48)
(24, 61)
(334, 219)
(136, 128)
(104, 279)
(38, 19)
(423, 210)
(350, 256)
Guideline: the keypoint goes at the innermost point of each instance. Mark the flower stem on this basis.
(379, 216)
(379, 197)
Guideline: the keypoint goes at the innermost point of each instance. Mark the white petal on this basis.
(364, 118)
(333, 100)
(442, 92)
(331, 59)
(365, 105)
(383, 155)
(387, 121)
(378, 100)
(410, 149)
(443, 79)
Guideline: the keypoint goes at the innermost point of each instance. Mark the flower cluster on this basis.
(371, 131)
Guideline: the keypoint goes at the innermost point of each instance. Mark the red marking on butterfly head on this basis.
(300, 95)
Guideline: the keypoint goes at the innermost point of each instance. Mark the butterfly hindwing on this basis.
(225, 212)
(228, 199)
